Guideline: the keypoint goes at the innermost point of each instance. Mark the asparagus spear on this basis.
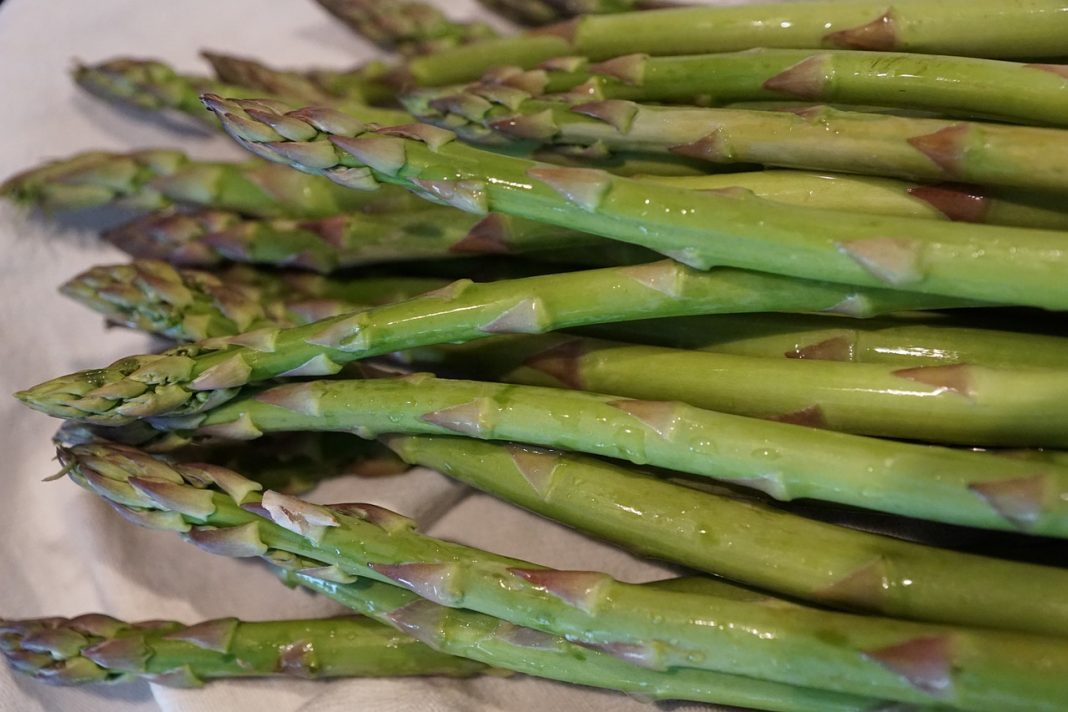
(888, 196)
(783, 459)
(152, 179)
(188, 305)
(656, 628)
(149, 84)
(97, 648)
(997, 407)
(197, 377)
(405, 26)
(1013, 265)
(750, 542)
(543, 12)
(1028, 93)
(989, 28)
(903, 341)
(328, 244)
(820, 138)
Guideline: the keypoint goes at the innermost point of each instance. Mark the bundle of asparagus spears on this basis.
(772, 293)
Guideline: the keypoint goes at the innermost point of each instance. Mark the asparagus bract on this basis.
(406, 26)
(197, 377)
(1012, 265)
(817, 138)
(654, 627)
(153, 179)
(97, 648)
(784, 460)
(1027, 93)
(543, 12)
(750, 542)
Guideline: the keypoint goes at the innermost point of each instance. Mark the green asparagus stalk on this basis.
(820, 138)
(753, 543)
(329, 244)
(1012, 29)
(902, 341)
(1028, 93)
(406, 26)
(543, 12)
(888, 196)
(96, 648)
(992, 407)
(153, 85)
(197, 377)
(785, 460)
(189, 305)
(656, 628)
(1012, 265)
(153, 179)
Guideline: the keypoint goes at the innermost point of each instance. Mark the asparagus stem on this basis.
(405, 26)
(819, 138)
(784, 460)
(197, 377)
(329, 244)
(1027, 93)
(903, 341)
(752, 543)
(97, 648)
(658, 628)
(990, 28)
(153, 179)
(1012, 265)
(994, 407)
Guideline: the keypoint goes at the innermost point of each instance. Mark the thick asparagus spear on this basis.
(1028, 93)
(406, 26)
(152, 179)
(543, 12)
(785, 460)
(329, 244)
(1013, 265)
(656, 628)
(988, 28)
(819, 138)
(903, 341)
(97, 648)
(197, 377)
(753, 543)
(1006, 407)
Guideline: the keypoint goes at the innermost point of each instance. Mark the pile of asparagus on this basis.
(653, 275)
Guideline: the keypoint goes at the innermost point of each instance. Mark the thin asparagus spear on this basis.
(905, 342)
(189, 305)
(994, 407)
(784, 460)
(753, 543)
(406, 26)
(1028, 93)
(149, 84)
(198, 377)
(656, 628)
(543, 12)
(97, 648)
(820, 138)
(152, 179)
(329, 244)
(1012, 29)
(1013, 265)
(889, 196)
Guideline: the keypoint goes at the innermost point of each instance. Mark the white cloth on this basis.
(63, 552)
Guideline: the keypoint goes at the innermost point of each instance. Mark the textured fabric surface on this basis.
(62, 552)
